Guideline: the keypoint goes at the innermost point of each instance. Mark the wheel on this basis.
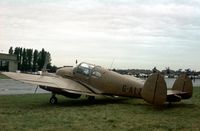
(53, 100)
(169, 105)
(91, 98)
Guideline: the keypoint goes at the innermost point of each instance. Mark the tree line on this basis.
(32, 60)
(167, 72)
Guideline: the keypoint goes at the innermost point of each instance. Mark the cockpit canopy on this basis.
(84, 69)
(87, 70)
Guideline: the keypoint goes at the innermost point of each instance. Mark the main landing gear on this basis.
(53, 100)
(91, 98)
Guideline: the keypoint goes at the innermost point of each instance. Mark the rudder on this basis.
(155, 90)
(184, 83)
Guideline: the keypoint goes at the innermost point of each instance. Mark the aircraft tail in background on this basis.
(155, 90)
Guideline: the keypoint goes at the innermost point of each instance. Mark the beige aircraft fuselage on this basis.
(105, 81)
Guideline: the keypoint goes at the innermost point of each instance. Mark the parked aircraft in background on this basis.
(91, 80)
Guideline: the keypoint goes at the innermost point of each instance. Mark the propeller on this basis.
(44, 69)
(47, 59)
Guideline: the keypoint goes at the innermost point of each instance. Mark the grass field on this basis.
(33, 112)
(3, 76)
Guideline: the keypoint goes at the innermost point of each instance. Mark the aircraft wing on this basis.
(57, 82)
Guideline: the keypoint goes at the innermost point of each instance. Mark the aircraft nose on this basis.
(59, 72)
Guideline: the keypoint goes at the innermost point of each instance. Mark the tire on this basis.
(53, 100)
(91, 98)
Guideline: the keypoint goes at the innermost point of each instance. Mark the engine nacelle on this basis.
(71, 95)
(61, 92)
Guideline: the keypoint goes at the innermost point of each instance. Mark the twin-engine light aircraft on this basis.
(91, 80)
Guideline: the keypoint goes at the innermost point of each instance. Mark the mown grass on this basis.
(3, 76)
(33, 112)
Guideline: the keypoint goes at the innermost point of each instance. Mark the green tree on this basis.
(48, 60)
(10, 50)
(52, 69)
(20, 58)
(29, 59)
(154, 70)
(41, 59)
(24, 60)
(188, 71)
(35, 60)
(167, 70)
(17, 53)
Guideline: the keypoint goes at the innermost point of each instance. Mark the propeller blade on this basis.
(47, 57)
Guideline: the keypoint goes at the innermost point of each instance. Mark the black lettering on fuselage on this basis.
(124, 88)
(133, 91)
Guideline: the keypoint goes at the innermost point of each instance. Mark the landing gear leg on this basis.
(53, 100)
(170, 104)
(91, 98)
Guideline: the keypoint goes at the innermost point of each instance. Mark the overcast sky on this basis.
(132, 33)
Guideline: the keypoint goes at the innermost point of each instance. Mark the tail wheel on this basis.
(53, 100)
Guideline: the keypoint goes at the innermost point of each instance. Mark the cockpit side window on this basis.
(96, 74)
(84, 69)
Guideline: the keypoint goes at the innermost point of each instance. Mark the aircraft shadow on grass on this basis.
(84, 102)
(119, 101)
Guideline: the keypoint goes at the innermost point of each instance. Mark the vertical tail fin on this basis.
(184, 83)
(155, 89)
